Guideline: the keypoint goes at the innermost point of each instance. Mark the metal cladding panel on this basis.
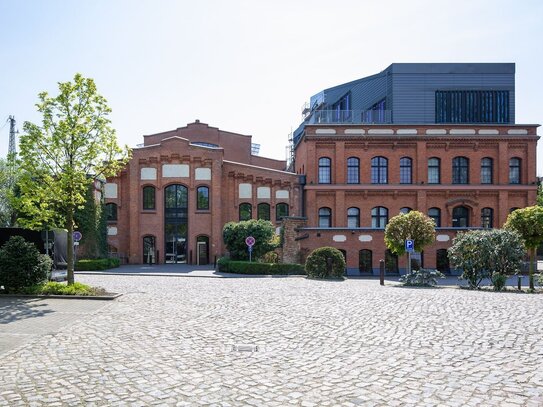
(414, 93)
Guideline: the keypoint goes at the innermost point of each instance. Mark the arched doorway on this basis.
(202, 250)
(175, 223)
(149, 250)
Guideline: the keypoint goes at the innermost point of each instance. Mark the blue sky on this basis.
(248, 66)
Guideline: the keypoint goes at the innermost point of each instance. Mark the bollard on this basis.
(382, 272)
(329, 265)
(519, 280)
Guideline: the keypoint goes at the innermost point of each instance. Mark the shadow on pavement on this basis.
(15, 309)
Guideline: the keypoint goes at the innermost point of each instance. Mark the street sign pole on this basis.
(409, 248)
(250, 242)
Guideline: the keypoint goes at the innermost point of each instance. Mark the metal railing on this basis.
(350, 116)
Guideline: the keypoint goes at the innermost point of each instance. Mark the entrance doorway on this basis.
(202, 250)
(149, 250)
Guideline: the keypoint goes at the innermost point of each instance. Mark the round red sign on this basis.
(250, 241)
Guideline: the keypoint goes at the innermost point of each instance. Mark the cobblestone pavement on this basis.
(282, 342)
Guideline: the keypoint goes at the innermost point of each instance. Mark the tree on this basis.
(74, 145)
(540, 194)
(8, 179)
(234, 234)
(528, 222)
(415, 226)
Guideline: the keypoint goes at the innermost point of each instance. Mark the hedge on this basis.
(245, 267)
(96, 264)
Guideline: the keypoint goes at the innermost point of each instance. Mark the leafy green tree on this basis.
(540, 194)
(528, 222)
(91, 222)
(414, 225)
(9, 174)
(75, 141)
(234, 234)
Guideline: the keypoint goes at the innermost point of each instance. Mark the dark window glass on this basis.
(281, 210)
(442, 261)
(405, 210)
(176, 223)
(353, 170)
(472, 106)
(264, 211)
(325, 172)
(514, 171)
(325, 217)
(149, 250)
(435, 214)
(513, 209)
(460, 168)
(486, 217)
(111, 212)
(353, 218)
(149, 198)
(391, 262)
(486, 170)
(365, 261)
(434, 171)
(245, 211)
(379, 170)
(379, 217)
(202, 198)
(406, 170)
(460, 217)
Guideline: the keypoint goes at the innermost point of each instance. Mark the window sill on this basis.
(203, 211)
(149, 211)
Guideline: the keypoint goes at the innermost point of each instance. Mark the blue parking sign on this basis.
(409, 245)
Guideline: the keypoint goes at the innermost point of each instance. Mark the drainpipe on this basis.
(302, 182)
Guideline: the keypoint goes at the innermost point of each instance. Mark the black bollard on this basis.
(382, 272)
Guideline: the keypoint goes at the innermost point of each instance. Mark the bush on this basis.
(234, 234)
(96, 264)
(245, 267)
(325, 262)
(421, 278)
(270, 257)
(54, 288)
(22, 265)
(498, 281)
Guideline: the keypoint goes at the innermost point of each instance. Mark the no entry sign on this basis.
(250, 241)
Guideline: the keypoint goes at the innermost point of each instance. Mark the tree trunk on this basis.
(532, 264)
(70, 244)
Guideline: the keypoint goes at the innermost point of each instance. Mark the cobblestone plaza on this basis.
(272, 342)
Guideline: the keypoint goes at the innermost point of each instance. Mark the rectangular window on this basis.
(472, 106)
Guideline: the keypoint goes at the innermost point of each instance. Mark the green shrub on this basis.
(498, 281)
(22, 265)
(96, 264)
(421, 278)
(325, 262)
(270, 257)
(235, 233)
(54, 288)
(245, 267)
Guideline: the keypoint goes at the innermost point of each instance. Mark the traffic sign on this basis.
(250, 241)
(409, 245)
(77, 236)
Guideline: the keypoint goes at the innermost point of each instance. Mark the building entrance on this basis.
(175, 223)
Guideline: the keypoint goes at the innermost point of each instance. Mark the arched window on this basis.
(202, 198)
(111, 212)
(405, 210)
(245, 211)
(365, 261)
(263, 210)
(460, 170)
(435, 214)
(486, 217)
(486, 170)
(281, 210)
(460, 217)
(353, 170)
(434, 170)
(325, 171)
(149, 250)
(406, 176)
(442, 261)
(325, 217)
(391, 262)
(514, 170)
(379, 170)
(149, 198)
(379, 217)
(353, 218)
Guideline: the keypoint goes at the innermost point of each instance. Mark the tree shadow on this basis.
(16, 309)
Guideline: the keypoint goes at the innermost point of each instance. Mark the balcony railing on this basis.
(349, 116)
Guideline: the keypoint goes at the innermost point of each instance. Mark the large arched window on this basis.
(365, 261)
(281, 210)
(176, 203)
(460, 217)
(514, 170)
(202, 198)
(325, 170)
(434, 170)
(486, 170)
(435, 215)
(391, 262)
(460, 170)
(379, 217)
(379, 170)
(149, 198)
(263, 210)
(245, 211)
(406, 173)
(353, 218)
(486, 217)
(442, 261)
(111, 212)
(325, 217)
(353, 170)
